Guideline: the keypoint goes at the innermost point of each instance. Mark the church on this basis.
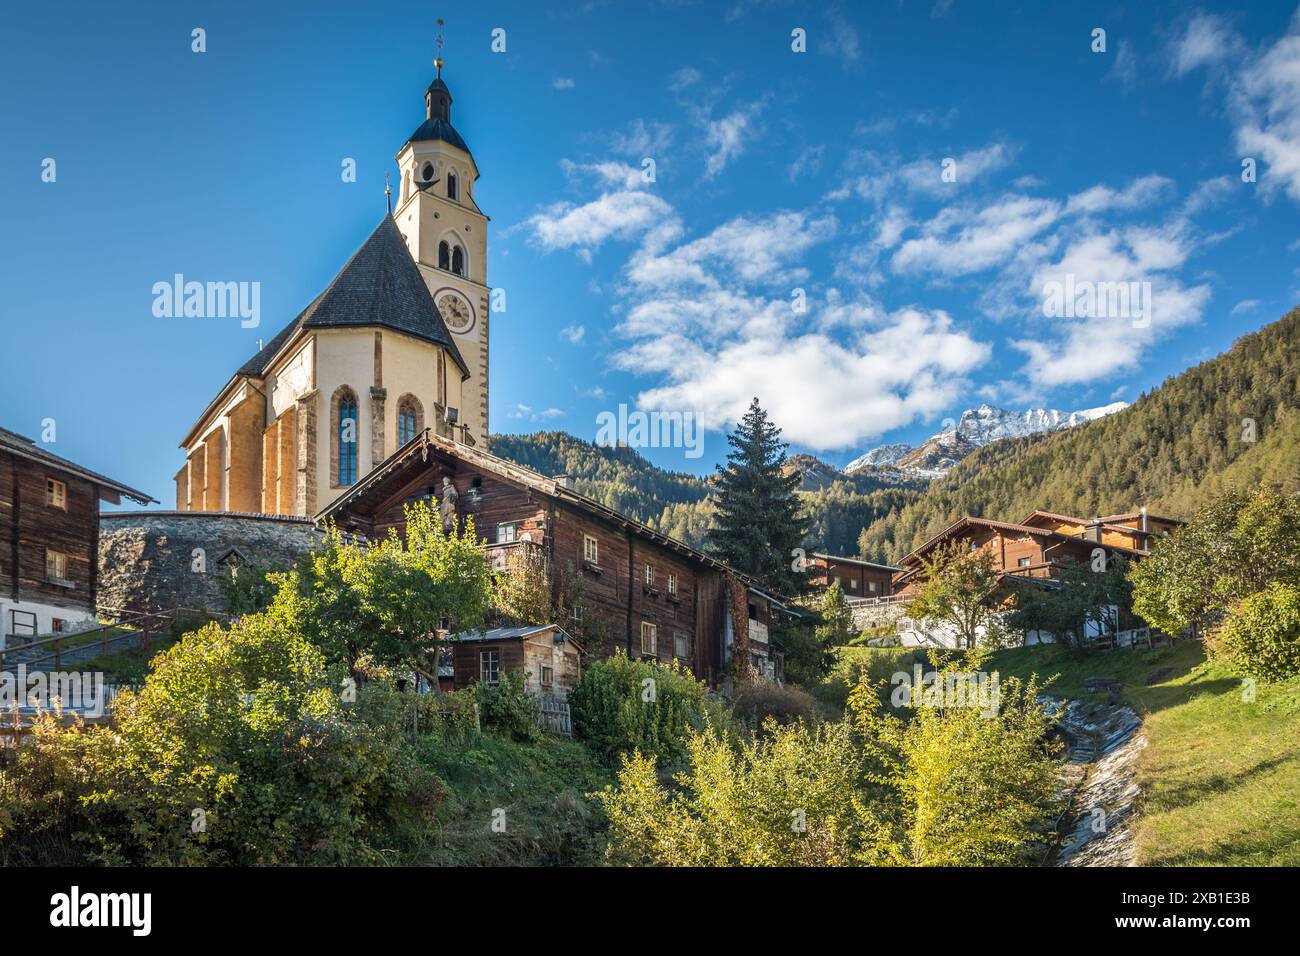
(398, 342)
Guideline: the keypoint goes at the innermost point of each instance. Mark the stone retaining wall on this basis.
(147, 559)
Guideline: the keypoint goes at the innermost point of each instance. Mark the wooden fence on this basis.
(554, 717)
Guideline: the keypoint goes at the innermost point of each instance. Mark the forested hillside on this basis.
(1171, 450)
(1233, 419)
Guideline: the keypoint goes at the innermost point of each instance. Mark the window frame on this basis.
(649, 627)
(513, 535)
(681, 645)
(543, 679)
(649, 575)
(591, 549)
(56, 493)
(489, 656)
(59, 558)
(672, 583)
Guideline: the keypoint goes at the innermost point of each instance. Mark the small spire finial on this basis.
(439, 43)
(388, 195)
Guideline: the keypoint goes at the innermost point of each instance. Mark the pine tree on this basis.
(759, 522)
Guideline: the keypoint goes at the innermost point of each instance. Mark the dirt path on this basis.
(1105, 743)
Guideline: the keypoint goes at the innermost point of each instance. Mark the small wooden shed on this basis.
(546, 654)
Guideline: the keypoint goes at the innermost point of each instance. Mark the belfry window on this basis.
(427, 173)
(444, 256)
(458, 261)
(452, 192)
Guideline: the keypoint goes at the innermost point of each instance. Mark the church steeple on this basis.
(437, 98)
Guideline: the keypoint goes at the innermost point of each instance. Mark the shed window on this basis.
(681, 645)
(590, 549)
(649, 638)
(548, 676)
(649, 575)
(1023, 563)
(672, 584)
(507, 532)
(871, 586)
(56, 493)
(489, 667)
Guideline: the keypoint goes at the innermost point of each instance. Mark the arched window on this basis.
(410, 418)
(458, 261)
(451, 186)
(344, 444)
(427, 172)
(444, 256)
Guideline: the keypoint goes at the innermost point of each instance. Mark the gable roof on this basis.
(418, 448)
(858, 561)
(380, 286)
(23, 447)
(914, 558)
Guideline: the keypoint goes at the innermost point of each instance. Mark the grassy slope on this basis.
(542, 788)
(1220, 777)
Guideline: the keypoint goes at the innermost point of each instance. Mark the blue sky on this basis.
(774, 171)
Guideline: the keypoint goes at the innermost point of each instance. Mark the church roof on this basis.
(435, 127)
(380, 286)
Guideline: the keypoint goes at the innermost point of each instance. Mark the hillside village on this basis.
(366, 621)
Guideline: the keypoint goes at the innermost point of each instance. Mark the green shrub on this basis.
(622, 705)
(509, 709)
(1262, 634)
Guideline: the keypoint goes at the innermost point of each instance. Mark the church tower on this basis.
(446, 232)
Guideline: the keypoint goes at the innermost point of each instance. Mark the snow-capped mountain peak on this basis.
(975, 428)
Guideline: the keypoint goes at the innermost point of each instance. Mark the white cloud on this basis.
(608, 173)
(574, 333)
(1266, 101)
(686, 77)
(808, 162)
(726, 139)
(1141, 192)
(617, 215)
(826, 393)
(963, 240)
(1206, 40)
(562, 83)
(840, 41)
(746, 249)
(925, 176)
(642, 139)
(1245, 305)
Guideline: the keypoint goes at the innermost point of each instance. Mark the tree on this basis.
(759, 520)
(1231, 549)
(385, 601)
(1079, 599)
(808, 656)
(1262, 634)
(959, 589)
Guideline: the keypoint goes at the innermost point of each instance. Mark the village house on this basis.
(1035, 550)
(857, 578)
(49, 538)
(624, 585)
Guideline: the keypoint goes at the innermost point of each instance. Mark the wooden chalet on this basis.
(49, 538)
(1036, 547)
(627, 585)
(857, 578)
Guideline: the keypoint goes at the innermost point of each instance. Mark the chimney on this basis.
(564, 481)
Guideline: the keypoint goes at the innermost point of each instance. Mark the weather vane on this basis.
(388, 195)
(439, 43)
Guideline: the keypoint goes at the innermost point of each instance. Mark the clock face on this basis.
(456, 312)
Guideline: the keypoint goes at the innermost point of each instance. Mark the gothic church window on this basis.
(344, 437)
(458, 261)
(444, 255)
(451, 186)
(410, 418)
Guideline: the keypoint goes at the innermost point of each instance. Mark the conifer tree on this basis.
(759, 520)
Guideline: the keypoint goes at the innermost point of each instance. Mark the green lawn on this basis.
(1220, 777)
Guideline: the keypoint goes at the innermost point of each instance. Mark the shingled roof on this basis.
(24, 447)
(380, 286)
(437, 128)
